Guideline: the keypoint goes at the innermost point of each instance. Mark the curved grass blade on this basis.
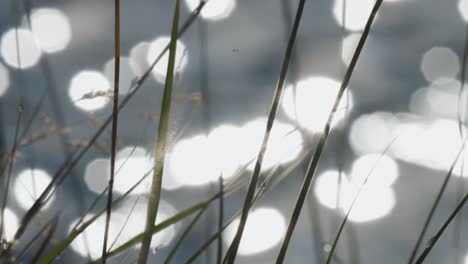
(232, 251)
(71, 162)
(435, 204)
(161, 226)
(184, 235)
(160, 147)
(323, 138)
(345, 219)
(115, 115)
(431, 243)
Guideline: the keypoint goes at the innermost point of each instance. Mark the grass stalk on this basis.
(71, 162)
(435, 204)
(160, 147)
(232, 251)
(115, 110)
(323, 138)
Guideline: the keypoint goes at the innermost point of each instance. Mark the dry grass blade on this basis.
(232, 251)
(160, 147)
(323, 138)
(115, 110)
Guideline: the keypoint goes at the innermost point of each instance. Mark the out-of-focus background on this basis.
(402, 122)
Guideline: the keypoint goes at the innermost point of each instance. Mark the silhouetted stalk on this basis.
(323, 138)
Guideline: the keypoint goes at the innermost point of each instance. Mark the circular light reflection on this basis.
(138, 57)
(334, 190)
(155, 48)
(264, 229)
(4, 79)
(371, 133)
(439, 62)
(137, 211)
(29, 185)
(463, 9)
(29, 52)
(213, 10)
(202, 159)
(85, 243)
(51, 28)
(90, 90)
(356, 13)
(97, 175)
(130, 169)
(126, 75)
(284, 144)
(313, 102)
(381, 170)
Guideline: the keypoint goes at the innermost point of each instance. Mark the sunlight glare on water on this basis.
(365, 208)
(213, 10)
(138, 57)
(371, 133)
(29, 52)
(126, 75)
(313, 102)
(439, 62)
(155, 48)
(356, 13)
(93, 84)
(381, 169)
(51, 29)
(264, 229)
(228, 148)
(89, 242)
(29, 185)
(134, 224)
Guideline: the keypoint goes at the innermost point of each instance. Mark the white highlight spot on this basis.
(372, 133)
(138, 57)
(97, 175)
(29, 52)
(126, 74)
(134, 225)
(90, 90)
(337, 191)
(356, 13)
(155, 48)
(213, 10)
(313, 102)
(51, 28)
(381, 169)
(4, 79)
(85, 243)
(439, 62)
(131, 165)
(29, 185)
(463, 9)
(264, 229)
(204, 158)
